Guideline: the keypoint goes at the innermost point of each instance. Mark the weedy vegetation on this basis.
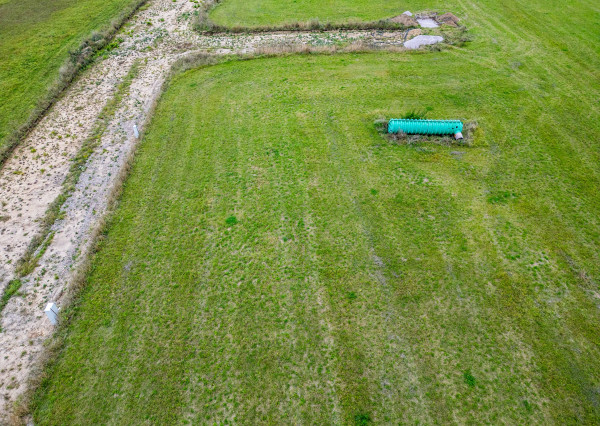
(415, 115)
(12, 289)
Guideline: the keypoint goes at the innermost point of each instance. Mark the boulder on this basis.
(422, 40)
(427, 22)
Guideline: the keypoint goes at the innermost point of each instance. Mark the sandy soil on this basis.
(32, 178)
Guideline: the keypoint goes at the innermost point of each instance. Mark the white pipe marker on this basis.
(52, 313)
(136, 133)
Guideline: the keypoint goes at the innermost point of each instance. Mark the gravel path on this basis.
(32, 177)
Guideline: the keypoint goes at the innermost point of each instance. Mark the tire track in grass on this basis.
(331, 365)
(212, 381)
(551, 326)
(518, 297)
(500, 341)
(206, 384)
(437, 309)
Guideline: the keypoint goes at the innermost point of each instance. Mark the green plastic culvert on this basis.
(426, 127)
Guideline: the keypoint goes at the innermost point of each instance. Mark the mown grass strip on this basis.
(311, 14)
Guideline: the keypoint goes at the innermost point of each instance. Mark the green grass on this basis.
(11, 290)
(35, 39)
(254, 13)
(275, 260)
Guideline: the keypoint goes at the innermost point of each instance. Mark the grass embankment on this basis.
(276, 260)
(35, 40)
(264, 13)
(270, 16)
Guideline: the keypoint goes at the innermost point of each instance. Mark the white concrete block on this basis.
(52, 313)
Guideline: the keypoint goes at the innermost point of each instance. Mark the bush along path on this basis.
(56, 186)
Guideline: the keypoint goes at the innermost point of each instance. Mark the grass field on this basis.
(271, 12)
(35, 39)
(275, 260)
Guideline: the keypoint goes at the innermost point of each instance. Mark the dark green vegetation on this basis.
(35, 40)
(275, 260)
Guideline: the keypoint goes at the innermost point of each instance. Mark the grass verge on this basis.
(44, 47)
(9, 291)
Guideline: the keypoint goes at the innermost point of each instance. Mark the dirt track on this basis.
(32, 177)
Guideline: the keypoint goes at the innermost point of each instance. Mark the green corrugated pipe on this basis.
(426, 127)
